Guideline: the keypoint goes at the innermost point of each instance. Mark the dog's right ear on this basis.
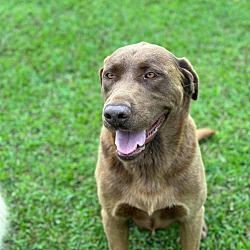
(100, 75)
(101, 69)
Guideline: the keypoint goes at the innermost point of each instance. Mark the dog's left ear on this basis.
(191, 80)
(100, 75)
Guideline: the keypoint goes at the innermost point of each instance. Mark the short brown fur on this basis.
(166, 182)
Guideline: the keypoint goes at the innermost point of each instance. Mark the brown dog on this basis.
(149, 167)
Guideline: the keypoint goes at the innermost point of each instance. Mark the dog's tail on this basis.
(203, 133)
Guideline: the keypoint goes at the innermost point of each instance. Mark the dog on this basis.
(149, 165)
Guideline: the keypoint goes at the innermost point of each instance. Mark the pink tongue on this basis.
(127, 142)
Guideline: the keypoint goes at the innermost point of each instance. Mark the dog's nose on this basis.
(116, 115)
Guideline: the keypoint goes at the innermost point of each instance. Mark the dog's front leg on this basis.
(190, 231)
(116, 229)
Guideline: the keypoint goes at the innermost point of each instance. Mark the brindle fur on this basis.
(166, 182)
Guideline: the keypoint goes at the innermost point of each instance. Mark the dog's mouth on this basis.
(131, 143)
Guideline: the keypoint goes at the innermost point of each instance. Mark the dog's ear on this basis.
(191, 80)
(100, 75)
(101, 69)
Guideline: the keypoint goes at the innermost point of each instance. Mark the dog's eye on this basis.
(110, 76)
(150, 75)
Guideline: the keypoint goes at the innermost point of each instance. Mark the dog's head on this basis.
(143, 85)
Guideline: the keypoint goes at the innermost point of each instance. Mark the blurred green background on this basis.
(50, 113)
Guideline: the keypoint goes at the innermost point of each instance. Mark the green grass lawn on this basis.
(50, 113)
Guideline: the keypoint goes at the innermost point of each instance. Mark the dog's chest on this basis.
(159, 219)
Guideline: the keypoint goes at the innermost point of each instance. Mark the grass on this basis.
(50, 107)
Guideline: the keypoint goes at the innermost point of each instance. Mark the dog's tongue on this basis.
(126, 142)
